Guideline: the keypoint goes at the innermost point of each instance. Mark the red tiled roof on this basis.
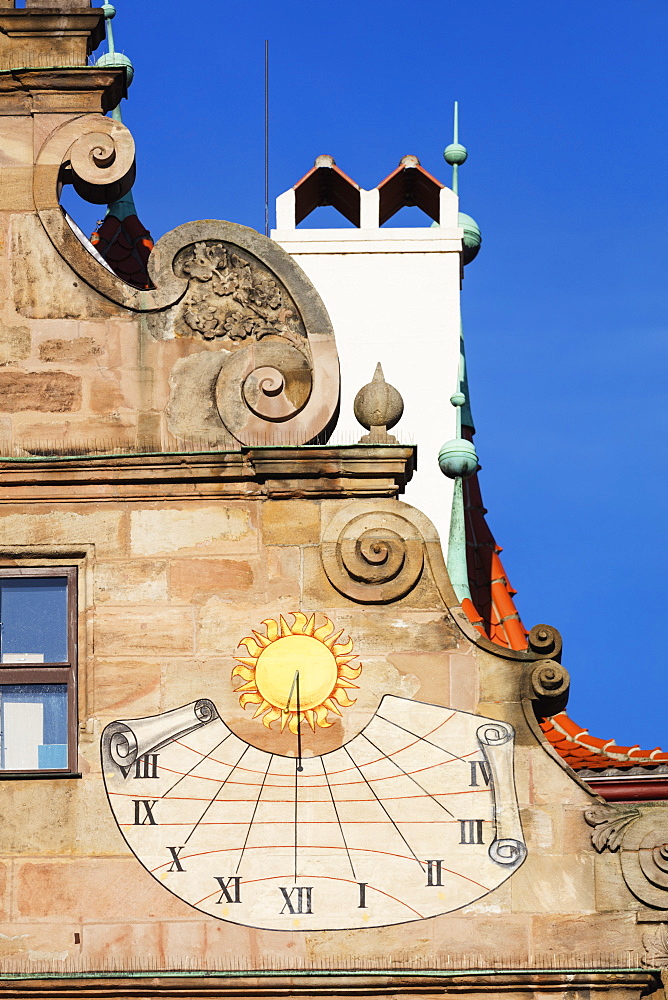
(126, 246)
(580, 750)
(491, 608)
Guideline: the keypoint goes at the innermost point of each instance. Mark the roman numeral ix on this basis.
(144, 812)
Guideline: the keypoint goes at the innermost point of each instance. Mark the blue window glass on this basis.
(33, 727)
(33, 617)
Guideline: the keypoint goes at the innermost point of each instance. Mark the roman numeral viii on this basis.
(147, 766)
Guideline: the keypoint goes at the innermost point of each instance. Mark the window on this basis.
(38, 706)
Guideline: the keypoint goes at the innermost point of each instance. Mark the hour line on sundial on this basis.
(218, 791)
(392, 761)
(373, 792)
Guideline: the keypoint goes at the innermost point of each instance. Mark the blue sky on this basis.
(566, 307)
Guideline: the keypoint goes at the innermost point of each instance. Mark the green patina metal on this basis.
(458, 460)
(125, 206)
(455, 154)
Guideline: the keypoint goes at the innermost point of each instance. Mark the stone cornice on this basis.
(622, 983)
(315, 471)
(71, 89)
(20, 22)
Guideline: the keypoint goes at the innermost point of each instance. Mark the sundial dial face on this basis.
(415, 816)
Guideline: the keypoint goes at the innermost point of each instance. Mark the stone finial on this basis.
(378, 406)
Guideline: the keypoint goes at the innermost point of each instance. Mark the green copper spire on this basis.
(455, 154)
(112, 59)
(458, 460)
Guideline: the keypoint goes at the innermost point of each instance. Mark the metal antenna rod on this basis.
(266, 137)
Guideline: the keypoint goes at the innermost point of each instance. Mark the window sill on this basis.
(36, 775)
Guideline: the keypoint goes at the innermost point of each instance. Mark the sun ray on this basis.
(346, 684)
(261, 639)
(342, 648)
(249, 661)
(342, 698)
(247, 673)
(300, 621)
(250, 699)
(310, 718)
(309, 628)
(250, 686)
(321, 715)
(264, 706)
(272, 629)
(332, 639)
(352, 673)
(324, 630)
(270, 718)
(251, 645)
(284, 627)
(332, 706)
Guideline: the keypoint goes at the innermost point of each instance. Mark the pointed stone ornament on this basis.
(378, 406)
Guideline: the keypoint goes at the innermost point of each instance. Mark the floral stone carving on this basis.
(656, 947)
(233, 297)
(642, 837)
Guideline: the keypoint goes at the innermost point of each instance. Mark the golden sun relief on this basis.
(296, 672)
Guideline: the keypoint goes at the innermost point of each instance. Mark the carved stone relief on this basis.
(655, 943)
(641, 836)
(232, 296)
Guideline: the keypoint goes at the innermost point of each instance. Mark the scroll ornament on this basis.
(641, 836)
(374, 557)
(278, 374)
(545, 640)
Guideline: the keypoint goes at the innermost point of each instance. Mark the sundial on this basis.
(415, 816)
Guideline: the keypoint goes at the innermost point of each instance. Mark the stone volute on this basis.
(378, 406)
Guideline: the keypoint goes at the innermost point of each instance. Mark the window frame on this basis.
(50, 673)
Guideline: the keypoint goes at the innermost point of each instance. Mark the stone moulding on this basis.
(313, 472)
(379, 556)
(526, 983)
